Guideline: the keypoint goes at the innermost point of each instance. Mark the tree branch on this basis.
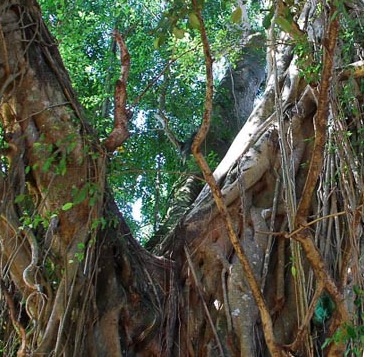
(304, 236)
(163, 120)
(17, 324)
(121, 114)
(274, 349)
(160, 74)
(320, 123)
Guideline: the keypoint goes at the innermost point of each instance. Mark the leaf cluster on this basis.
(167, 73)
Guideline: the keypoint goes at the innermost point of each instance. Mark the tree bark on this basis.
(74, 278)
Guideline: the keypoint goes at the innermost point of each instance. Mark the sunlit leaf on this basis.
(236, 16)
(193, 20)
(19, 198)
(81, 195)
(67, 206)
(178, 33)
(159, 41)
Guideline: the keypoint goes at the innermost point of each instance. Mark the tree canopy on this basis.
(166, 74)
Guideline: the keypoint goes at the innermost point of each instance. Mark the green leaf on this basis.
(67, 206)
(178, 33)
(19, 198)
(80, 195)
(236, 15)
(193, 20)
(36, 221)
(351, 331)
(284, 24)
(200, 4)
(95, 224)
(268, 18)
(326, 343)
(159, 41)
(61, 168)
(47, 164)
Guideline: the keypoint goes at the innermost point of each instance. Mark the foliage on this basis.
(166, 74)
(351, 333)
(323, 309)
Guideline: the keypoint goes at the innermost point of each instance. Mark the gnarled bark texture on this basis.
(74, 282)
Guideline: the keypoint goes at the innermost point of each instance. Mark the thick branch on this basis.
(121, 114)
(320, 127)
(320, 122)
(274, 349)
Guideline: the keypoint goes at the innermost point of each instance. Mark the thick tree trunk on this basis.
(75, 281)
(262, 180)
(66, 251)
